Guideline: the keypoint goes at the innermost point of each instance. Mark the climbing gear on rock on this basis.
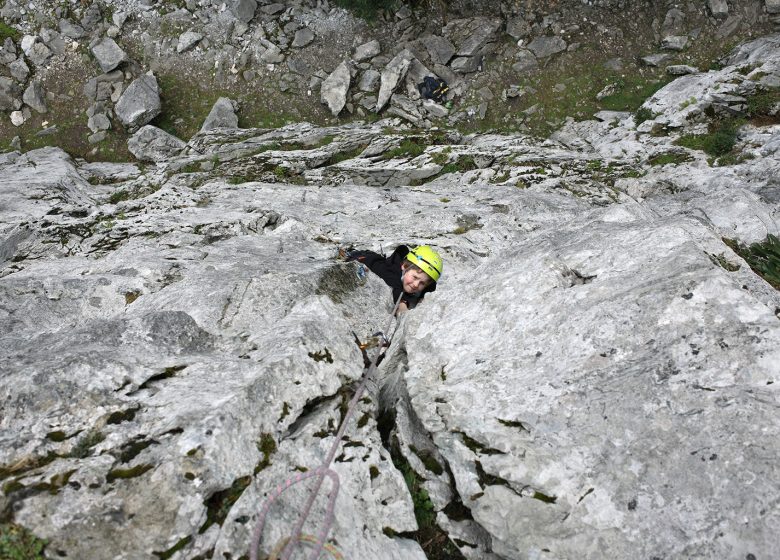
(288, 544)
(427, 260)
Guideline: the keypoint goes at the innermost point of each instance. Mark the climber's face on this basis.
(414, 280)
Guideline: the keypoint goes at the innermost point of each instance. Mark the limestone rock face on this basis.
(595, 375)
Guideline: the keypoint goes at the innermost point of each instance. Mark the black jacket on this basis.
(389, 270)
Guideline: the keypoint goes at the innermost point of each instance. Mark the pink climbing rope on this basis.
(320, 472)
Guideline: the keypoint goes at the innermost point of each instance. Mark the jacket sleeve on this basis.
(368, 258)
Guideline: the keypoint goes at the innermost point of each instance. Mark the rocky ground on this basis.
(510, 66)
(595, 376)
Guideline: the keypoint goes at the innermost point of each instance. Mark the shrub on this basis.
(718, 142)
(17, 543)
(762, 257)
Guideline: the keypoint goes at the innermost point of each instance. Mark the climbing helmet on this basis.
(427, 260)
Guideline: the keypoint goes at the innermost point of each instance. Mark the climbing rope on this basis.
(287, 545)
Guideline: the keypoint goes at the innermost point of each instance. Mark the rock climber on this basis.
(414, 271)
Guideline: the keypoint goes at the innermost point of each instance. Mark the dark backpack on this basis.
(433, 88)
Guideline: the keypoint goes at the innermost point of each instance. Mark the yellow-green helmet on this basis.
(427, 260)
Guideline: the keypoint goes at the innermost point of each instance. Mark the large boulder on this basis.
(334, 88)
(140, 102)
(243, 10)
(108, 54)
(9, 94)
(153, 144)
(222, 115)
(35, 97)
(546, 46)
(392, 75)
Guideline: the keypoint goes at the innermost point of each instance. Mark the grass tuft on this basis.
(18, 543)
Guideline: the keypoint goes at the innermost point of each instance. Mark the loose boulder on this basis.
(154, 144)
(243, 10)
(34, 97)
(108, 54)
(140, 102)
(544, 47)
(392, 75)
(222, 115)
(334, 89)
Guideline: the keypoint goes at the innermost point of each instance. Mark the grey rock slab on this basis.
(391, 76)
(681, 69)
(517, 27)
(369, 81)
(546, 46)
(718, 8)
(481, 31)
(655, 59)
(36, 182)
(243, 10)
(19, 70)
(303, 38)
(153, 144)
(273, 8)
(772, 6)
(367, 51)
(674, 42)
(272, 55)
(99, 122)
(435, 109)
(140, 102)
(526, 62)
(402, 106)
(108, 54)
(466, 64)
(439, 48)
(39, 54)
(222, 115)
(188, 40)
(9, 94)
(333, 91)
(35, 97)
(502, 507)
(70, 29)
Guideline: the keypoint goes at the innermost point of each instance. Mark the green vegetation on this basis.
(723, 262)
(631, 92)
(84, 446)
(7, 31)
(423, 507)
(266, 446)
(410, 147)
(761, 105)
(132, 472)
(427, 459)
(719, 141)
(219, 503)
(670, 157)
(174, 549)
(18, 543)
(762, 257)
(118, 196)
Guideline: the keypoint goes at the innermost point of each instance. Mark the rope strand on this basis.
(289, 544)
